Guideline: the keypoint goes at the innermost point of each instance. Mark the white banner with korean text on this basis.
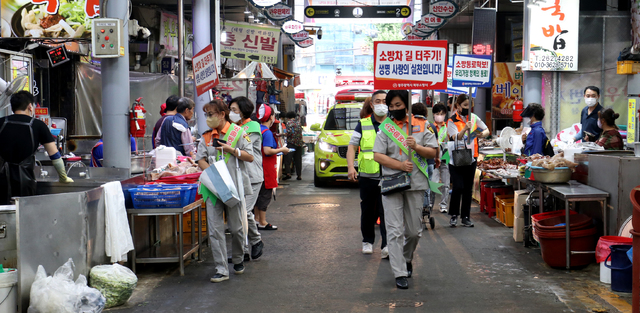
(553, 36)
(250, 42)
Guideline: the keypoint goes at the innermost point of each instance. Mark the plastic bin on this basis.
(163, 196)
(557, 224)
(553, 247)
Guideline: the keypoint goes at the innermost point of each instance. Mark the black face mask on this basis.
(465, 112)
(398, 114)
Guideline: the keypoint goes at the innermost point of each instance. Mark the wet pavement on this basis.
(314, 263)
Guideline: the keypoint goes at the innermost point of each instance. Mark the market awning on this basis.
(282, 74)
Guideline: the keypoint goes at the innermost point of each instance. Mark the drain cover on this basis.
(315, 205)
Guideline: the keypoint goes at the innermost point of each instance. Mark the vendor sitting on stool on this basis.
(97, 153)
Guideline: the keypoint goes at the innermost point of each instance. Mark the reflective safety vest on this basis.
(460, 123)
(366, 164)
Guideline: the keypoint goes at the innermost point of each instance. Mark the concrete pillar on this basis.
(480, 104)
(202, 25)
(115, 98)
(532, 89)
(181, 31)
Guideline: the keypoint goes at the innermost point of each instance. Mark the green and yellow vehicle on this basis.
(330, 153)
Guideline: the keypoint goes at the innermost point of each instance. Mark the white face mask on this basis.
(234, 117)
(590, 101)
(380, 109)
(438, 118)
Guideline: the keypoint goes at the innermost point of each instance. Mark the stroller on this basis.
(427, 218)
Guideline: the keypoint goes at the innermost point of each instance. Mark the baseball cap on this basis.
(264, 113)
(163, 109)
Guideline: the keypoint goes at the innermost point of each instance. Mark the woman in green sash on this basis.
(403, 209)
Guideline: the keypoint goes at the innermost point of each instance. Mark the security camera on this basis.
(319, 34)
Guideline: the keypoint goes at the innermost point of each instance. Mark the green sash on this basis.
(442, 135)
(398, 136)
(251, 127)
(232, 136)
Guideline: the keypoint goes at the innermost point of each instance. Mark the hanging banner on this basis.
(169, 36)
(299, 36)
(410, 64)
(305, 43)
(250, 42)
(471, 71)
(553, 36)
(455, 90)
(279, 12)
(406, 29)
(507, 87)
(204, 70)
(444, 8)
(292, 27)
(412, 37)
(432, 21)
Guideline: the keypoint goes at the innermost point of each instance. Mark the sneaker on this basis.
(454, 220)
(409, 269)
(367, 248)
(384, 253)
(256, 250)
(466, 222)
(267, 227)
(402, 283)
(239, 268)
(444, 210)
(219, 278)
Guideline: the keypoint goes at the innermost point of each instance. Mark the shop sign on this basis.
(412, 37)
(279, 12)
(43, 115)
(292, 27)
(299, 36)
(444, 8)
(169, 36)
(204, 70)
(363, 11)
(261, 4)
(553, 36)
(432, 21)
(631, 124)
(250, 42)
(406, 29)
(167, 65)
(455, 90)
(471, 70)
(305, 43)
(419, 27)
(402, 65)
(507, 87)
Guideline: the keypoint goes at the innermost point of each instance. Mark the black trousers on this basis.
(462, 180)
(294, 157)
(371, 209)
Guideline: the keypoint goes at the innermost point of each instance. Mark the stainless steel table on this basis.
(164, 255)
(577, 192)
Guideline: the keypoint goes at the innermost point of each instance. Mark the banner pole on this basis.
(409, 128)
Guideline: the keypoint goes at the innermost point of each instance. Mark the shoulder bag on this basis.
(395, 183)
(463, 156)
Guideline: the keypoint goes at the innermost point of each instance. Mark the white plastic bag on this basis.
(118, 241)
(115, 282)
(569, 133)
(59, 293)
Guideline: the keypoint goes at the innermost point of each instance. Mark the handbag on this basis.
(395, 183)
(461, 157)
(218, 180)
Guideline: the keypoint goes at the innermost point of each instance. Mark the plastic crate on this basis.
(507, 213)
(163, 196)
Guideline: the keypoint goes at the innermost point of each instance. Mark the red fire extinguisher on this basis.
(138, 125)
(517, 110)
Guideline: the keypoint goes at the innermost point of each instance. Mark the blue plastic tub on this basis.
(163, 196)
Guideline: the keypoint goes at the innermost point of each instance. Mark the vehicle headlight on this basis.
(327, 147)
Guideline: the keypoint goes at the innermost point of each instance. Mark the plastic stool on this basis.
(483, 196)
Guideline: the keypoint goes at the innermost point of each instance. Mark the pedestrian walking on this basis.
(441, 168)
(294, 141)
(236, 147)
(368, 173)
(403, 207)
(462, 127)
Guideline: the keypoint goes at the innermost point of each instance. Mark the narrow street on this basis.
(313, 263)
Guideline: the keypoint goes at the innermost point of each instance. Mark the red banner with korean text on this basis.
(402, 65)
(205, 71)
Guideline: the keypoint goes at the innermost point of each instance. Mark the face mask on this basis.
(590, 101)
(438, 118)
(398, 114)
(213, 122)
(380, 109)
(464, 112)
(599, 124)
(234, 117)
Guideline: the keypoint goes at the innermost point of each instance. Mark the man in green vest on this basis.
(362, 140)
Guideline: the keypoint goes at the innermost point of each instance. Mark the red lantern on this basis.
(517, 110)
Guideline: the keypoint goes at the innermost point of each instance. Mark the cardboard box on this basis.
(519, 199)
(518, 229)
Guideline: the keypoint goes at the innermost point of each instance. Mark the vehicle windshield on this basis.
(342, 119)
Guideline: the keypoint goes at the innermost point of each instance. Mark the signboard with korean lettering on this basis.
(631, 121)
(507, 87)
(305, 43)
(455, 90)
(292, 27)
(484, 31)
(299, 36)
(43, 115)
(279, 12)
(250, 42)
(553, 36)
(444, 8)
(432, 21)
(204, 70)
(410, 64)
(332, 11)
(169, 36)
(471, 71)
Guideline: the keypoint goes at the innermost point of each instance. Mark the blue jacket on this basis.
(170, 136)
(97, 152)
(535, 140)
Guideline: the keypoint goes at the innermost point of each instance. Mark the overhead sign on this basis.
(471, 70)
(631, 121)
(406, 29)
(279, 12)
(484, 31)
(305, 43)
(292, 27)
(507, 87)
(250, 42)
(553, 36)
(432, 21)
(204, 70)
(455, 90)
(299, 36)
(419, 27)
(261, 4)
(379, 11)
(410, 64)
(444, 8)
(169, 36)
(43, 115)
